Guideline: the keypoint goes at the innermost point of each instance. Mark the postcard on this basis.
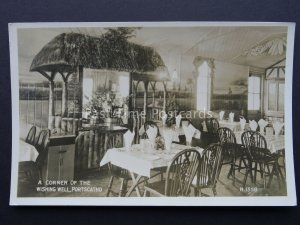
(152, 113)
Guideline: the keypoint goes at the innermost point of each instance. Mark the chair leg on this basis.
(255, 172)
(146, 193)
(162, 176)
(240, 164)
(278, 174)
(233, 172)
(196, 192)
(230, 172)
(214, 191)
(124, 189)
(121, 188)
(109, 186)
(263, 174)
(246, 176)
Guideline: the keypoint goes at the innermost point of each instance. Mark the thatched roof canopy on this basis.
(69, 50)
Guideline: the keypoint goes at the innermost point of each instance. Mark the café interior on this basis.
(152, 111)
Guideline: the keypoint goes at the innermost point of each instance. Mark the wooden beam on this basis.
(165, 96)
(145, 97)
(45, 74)
(51, 106)
(64, 99)
(153, 84)
(80, 78)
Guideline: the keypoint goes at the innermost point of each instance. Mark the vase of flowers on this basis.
(103, 104)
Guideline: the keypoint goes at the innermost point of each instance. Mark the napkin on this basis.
(168, 137)
(178, 119)
(189, 132)
(243, 123)
(231, 117)
(253, 125)
(197, 134)
(164, 118)
(141, 130)
(185, 123)
(277, 127)
(152, 133)
(262, 124)
(221, 115)
(128, 138)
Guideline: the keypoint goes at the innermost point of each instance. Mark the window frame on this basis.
(260, 92)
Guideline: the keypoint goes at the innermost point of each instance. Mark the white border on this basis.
(289, 200)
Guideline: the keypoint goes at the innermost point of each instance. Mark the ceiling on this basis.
(226, 44)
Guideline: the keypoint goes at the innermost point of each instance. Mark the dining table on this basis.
(27, 152)
(139, 161)
(232, 125)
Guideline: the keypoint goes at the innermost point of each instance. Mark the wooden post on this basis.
(145, 97)
(64, 99)
(135, 86)
(165, 96)
(131, 89)
(51, 105)
(80, 78)
(153, 93)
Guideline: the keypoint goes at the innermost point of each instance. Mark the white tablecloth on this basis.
(274, 143)
(140, 162)
(234, 126)
(27, 152)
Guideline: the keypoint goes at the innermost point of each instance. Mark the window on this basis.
(254, 93)
(275, 89)
(203, 87)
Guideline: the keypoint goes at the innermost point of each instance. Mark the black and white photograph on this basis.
(153, 113)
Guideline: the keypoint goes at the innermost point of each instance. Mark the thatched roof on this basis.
(69, 50)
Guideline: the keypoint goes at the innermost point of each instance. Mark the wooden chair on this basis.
(180, 174)
(29, 167)
(209, 169)
(30, 139)
(258, 154)
(230, 150)
(212, 126)
(40, 141)
(147, 124)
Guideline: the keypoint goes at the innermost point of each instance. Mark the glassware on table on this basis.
(128, 145)
(168, 146)
(148, 146)
(142, 144)
(189, 143)
(269, 131)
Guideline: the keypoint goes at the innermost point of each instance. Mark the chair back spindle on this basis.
(181, 172)
(30, 139)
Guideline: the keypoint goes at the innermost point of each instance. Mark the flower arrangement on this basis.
(103, 103)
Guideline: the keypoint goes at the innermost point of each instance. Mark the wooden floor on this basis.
(99, 180)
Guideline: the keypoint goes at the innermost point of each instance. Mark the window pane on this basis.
(256, 101)
(256, 88)
(272, 97)
(250, 101)
(202, 93)
(254, 93)
(281, 97)
(250, 84)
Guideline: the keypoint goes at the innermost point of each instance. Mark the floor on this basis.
(97, 183)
